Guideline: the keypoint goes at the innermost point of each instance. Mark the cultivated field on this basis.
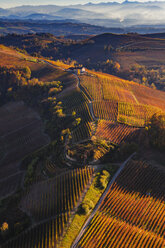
(111, 108)
(132, 213)
(115, 132)
(120, 106)
(50, 203)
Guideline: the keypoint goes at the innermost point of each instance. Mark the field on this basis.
(110, 108)
(120, 106)
(112, 101)
(76, 102)
(50, 203)
(115, 133)
(40, 201)
(132, 213)
(21, 132)
(102, 86)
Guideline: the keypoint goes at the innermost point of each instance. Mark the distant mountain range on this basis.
(112, 14)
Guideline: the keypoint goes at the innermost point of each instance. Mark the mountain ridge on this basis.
(124, 14)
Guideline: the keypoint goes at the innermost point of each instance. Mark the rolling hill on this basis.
(138, 57)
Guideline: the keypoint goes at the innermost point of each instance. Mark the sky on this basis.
(13, 3)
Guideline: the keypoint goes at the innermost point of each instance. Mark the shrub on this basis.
(103, 179)
(85, 207)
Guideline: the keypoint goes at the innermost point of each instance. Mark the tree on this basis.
(86, 207)
(4, 229)
(103, 179)
(77, 122)
(156, 131)
(116, 66)
(74, 113)
(27, 72)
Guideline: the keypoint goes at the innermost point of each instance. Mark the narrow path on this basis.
(91, 110)
(135, 98)
(90, 102)
(75, 243)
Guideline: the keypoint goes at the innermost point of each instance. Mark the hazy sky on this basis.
(12, 3)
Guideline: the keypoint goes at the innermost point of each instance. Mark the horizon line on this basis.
(101, 2)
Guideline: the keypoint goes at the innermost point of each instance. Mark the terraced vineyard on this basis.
(132, 213)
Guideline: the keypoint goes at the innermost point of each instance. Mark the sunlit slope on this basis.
(132, 212)
(115, 99)
(43, 71)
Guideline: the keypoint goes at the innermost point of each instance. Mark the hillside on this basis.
(132, 56)
(30, 122)
(131, 213)
(59, 158)
(115, 110)
(36, 23)
(21, 133)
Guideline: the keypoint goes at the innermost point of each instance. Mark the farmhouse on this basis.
(77, 69)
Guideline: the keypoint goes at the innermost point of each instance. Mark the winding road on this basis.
(75, 243)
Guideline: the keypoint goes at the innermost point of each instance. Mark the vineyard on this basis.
(132, 213)
(106, 110)
(77, 102)
(136, 115)
(82, 132)
(121, 107)
(88, 119)
(52, 168)
(44, 235)
(57, 195)
(120, 100)
(50, 203)
(115, 133)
